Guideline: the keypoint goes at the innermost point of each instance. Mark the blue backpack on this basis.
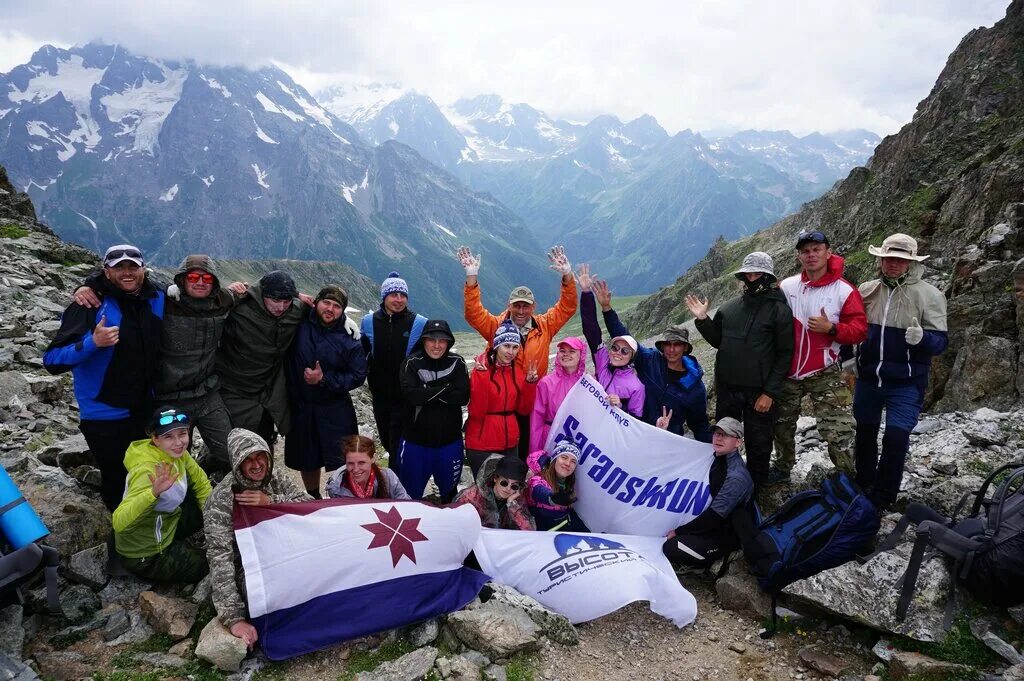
(813, 531)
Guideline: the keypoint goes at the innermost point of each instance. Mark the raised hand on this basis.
(86, 297)
(104, 336)
(914, 334)
(583, 276)
(559, 262)
(469, 261)
(531, 372)
(602, 294)
(313, 376)
(820, 324)
(698, 308)
(162, 477)
(664, 419)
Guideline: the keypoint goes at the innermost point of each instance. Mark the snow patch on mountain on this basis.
(261, 176)
(270, 106)
(169, 194)
(92, 223)
(443, 228)
(212, 82)
(142, 110)
(348, 191)
(356, 102)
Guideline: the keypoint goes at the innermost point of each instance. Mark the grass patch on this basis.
(62, 641)
(200, 671)
(129, 675)
(520, 668)
(12, 231)
(368, 660)
(959, 646)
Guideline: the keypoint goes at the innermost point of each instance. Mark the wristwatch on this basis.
(834, 330)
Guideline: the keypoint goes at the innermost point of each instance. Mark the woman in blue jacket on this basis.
(672, 377)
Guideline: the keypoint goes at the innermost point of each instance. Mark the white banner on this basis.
(586, 576)
(633, 478)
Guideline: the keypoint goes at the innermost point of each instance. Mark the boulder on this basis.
(410, 667)
(49, 389)
(75, 521)
(423, 633)
(824, 662)
(986, 630)
(984, 373)
(78, 602)
(64, 666)
(171, 616)
(555, 626)
(738, 592)
(984, 434)
(905, 665)
(89, 567)
(12, 631)
(458, 668)
(496, 629)
(867, 593)
(138, 630)
(219, 647)
(13, 669)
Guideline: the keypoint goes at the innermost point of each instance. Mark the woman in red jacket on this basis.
(497, 390)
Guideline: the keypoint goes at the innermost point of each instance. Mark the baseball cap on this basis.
(811, 236)
(729, 426)
(521, 294)
(165, 419)
(120, 253)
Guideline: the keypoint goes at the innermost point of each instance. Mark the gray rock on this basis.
(203, 591)
(496, 629)
(12, 669)
(984, 433)
(738, 592)
(182, 648)
(495, 673)
(171, 616)
(985, 630)
(883, 650)
(410, 667)
(906, 665)
(868, 593)
(78, 602)
(1017, 613)
(219, 647)
(12, 631)
(64, 666)
(138, 630)
(554, 625)
(1014, 673)
(926, 426)
(49, 389)
(124, 590)
(458, 668)
(477, 658)
(88, 567)
(822, 661)
(423, 633)
(75, 521)
(163, 660)
(118, 623)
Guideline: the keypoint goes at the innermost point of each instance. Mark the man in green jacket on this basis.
(754, 336)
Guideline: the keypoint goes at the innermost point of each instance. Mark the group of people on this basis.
(243, 363)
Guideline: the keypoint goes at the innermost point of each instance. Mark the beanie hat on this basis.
(512, 467)
(507, 333)
(278, 285)
(563, 448)
(335, 293)
(393, 284)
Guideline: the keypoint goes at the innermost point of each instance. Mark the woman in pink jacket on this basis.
(570, 364)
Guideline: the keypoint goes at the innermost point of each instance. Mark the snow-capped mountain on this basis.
(180, 158)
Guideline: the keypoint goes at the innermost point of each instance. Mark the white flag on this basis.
(585, 576)
(632, 477)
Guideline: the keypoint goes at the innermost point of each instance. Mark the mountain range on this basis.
(180, 157)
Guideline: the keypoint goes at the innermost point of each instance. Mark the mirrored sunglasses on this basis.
(167, 418)
(196, 277)
(124, 253)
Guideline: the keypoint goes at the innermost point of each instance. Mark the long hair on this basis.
(361, 444)
(549, 475)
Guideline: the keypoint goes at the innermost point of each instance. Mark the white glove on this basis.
(174, 292)
(352, 328)
(468, 260)
(559, 262)
(914, 332)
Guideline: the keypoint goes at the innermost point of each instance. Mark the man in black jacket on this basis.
(754, 336)
(389, 334)
(435, 387)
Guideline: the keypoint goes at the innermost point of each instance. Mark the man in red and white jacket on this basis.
(828, 312)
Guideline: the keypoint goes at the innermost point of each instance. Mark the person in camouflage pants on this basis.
(828, 312)
(252, 481)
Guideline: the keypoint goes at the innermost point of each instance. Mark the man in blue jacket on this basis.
(906, 328)
(113, 352)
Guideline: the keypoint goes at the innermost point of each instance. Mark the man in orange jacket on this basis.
(537, 330)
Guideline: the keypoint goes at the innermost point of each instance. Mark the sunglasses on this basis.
(167, 418)
(508, 483)
(196, 277)
(124, 253)
(621, 349)
(812, 236)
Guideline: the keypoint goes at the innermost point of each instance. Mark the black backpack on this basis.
(985, 548)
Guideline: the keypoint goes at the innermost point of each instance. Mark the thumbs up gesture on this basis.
(104, 336)
(820, 324)
(315, 375)
(914, 332)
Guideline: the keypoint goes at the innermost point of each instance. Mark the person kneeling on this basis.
(251, 483)
(162, 504)
(551, 491)
(361, 478)
(497, 494)
(710, 535)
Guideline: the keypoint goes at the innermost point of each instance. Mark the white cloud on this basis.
(803, 65)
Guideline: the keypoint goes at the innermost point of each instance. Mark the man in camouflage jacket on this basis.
(252, 481)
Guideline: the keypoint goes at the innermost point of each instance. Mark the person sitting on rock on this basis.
(497, 494)
(551, 490)
(113, 352)
(710, 535)
(671, 375)
(252, 482)
(162, 504)
(906, 328)
(361, 477)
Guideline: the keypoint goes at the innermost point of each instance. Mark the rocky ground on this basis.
(116, 628)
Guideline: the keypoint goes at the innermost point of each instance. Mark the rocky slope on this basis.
(954, 178)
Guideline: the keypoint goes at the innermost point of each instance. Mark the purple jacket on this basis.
(621, 381)
(551, 391)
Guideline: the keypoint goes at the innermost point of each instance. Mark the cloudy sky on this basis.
(800, 65)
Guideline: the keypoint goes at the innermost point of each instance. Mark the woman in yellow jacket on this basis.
(162, 505)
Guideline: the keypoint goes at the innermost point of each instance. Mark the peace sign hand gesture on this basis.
(664, 419)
